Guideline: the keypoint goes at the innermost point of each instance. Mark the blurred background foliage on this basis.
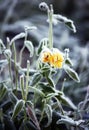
(16, 14)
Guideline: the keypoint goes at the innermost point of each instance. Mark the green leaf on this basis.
(45, 87)
(39, 48)
(29, 46)
(17, 109)
(18, 36)
(57, 76)
(35, 79)
(50, 81)
(13, 98)
(51, 95)
(29, 103)
(71, 73)
(43, 42)
(65, 100)
(71, 25)
(36, 90)
(67, 120)
(70, 121)
(32, 115)
(48, 111)
(3, 91)
(68, 62)
(45, 69)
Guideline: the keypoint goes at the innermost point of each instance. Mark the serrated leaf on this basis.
(18, 36)
(43, 42)
(13, 98)
(36, 90)
(35, 79)
(48, 111)
(17, 109)
(71, 73)
(29, 46)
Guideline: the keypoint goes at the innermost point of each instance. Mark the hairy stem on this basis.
(21, 52)
(27, 78)
(22, 86)
(16, 70)
(11, 77)
(50, 17)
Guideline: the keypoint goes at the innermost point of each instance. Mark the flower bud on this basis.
(43, 6)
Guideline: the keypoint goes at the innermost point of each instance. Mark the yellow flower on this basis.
(54, 57)
(46, 55)
(57, 58)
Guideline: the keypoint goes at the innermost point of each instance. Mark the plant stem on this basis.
(25, 114)
(50, 17)
(9, 61)
(16, 70)
(9, 64)
(23, 94)
(27, 78)
(21, 52)
(60, 106)
(42, 114)
(62, 89)
(22, 86)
